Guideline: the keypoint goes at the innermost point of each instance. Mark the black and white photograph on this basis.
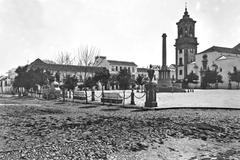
(119, 80)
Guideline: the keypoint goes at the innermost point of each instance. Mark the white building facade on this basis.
(223, 59)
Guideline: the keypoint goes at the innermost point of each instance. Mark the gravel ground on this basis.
(38, 129)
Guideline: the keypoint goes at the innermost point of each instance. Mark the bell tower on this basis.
(186, 45)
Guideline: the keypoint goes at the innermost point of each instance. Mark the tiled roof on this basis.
(119, 63)
(59, 67)
(48, 61)
(142, 69)
(237, 47)
(172, 66)
(221, 49)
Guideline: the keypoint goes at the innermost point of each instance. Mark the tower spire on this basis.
(186, 12)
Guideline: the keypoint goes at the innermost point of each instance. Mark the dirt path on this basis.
(51, 130)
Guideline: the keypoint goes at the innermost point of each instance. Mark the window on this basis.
(180, 72)
(128, 69)
(180, 33)
(220, 69)
(234, 68)
(180, 62)
(80, 78)
(133, 69)
(185, 32)
(180, 50)
(112, 68)
(116, 68)
(120, 68)
(191, 31)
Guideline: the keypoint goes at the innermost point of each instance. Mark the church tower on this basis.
(186, 45)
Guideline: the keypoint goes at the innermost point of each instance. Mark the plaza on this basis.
(34, 128)
(122, 104)
(212, 98)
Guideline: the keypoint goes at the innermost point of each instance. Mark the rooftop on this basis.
(142, 69)
(38, 63)
(234, 50)
(113, 62)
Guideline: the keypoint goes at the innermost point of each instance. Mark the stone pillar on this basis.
(132, 98)
(93, 95)
(151, 95)
(164, 50)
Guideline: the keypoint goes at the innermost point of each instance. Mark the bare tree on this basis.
(64, 58)
(86, 55)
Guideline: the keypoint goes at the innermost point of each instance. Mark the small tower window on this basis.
(180, 50)
(180, 32)
(180, 72)
(186, 32)
(180, 62)
(234, 68)
(191, 31)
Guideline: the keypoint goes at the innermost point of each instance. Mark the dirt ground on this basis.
(38, 129)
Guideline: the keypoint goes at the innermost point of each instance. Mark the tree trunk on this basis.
(63, 94)
(73, 95)
(102, 94)
(123, 97)
(86, 96)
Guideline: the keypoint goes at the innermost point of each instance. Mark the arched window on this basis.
(186, 31)
(180, 62)
(180, 72)
(180, 33)
(234, 68)
(191, 31)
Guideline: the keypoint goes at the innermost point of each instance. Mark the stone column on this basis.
(164, 50)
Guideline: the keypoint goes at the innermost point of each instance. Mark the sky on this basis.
(127, 30)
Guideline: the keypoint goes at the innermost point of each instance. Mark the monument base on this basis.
(151, 104)
(151, 95)
(167, 86)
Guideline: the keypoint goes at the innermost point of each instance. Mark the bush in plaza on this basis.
(70, 83)
(211, 77)
(190, 78)
(139, 81)
(89, 83)
(235, 77)
(28, 78)
(124, 79)
(102, 76)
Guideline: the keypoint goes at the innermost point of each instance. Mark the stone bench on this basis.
(79, 95)
(112, 98)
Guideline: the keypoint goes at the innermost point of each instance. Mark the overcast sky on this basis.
(128, 30)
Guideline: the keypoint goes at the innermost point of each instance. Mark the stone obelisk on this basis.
(164, 80)
(164, 49)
